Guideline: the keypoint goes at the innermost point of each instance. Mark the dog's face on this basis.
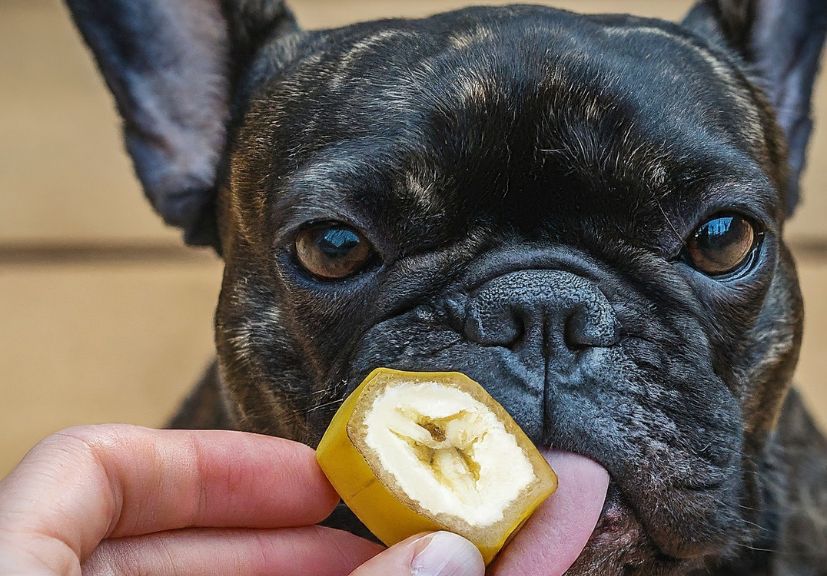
(583, 214)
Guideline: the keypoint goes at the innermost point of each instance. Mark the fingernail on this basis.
(447, 554)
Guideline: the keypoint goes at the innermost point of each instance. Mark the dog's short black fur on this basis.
(528, 179)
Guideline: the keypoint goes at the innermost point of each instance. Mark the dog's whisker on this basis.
(324, 391)
(324, 405)
(756, 548)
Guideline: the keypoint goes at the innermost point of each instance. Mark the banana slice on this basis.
(411, 452)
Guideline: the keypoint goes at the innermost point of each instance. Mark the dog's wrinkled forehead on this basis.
(536, 105)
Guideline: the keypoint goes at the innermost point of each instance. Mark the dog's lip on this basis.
(622, 508)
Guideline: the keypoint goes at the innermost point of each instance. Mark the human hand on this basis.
(126, 500)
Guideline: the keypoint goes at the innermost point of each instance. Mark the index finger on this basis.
(89, 483)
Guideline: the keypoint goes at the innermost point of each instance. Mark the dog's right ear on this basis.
(781, 41)
(173, 67)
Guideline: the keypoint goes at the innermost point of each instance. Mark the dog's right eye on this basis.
(722, 244)
(332, 250)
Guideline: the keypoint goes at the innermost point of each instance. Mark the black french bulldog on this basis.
(584, 214)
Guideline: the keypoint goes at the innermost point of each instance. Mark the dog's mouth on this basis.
(558, 532)
(585, 524)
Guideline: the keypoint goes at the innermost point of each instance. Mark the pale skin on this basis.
(131, 501)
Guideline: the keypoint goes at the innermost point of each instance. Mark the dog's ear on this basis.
(173, 67)
(782, 42)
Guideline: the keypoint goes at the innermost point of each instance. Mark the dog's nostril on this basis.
(515, 332)
(588, 328)
(574, 333)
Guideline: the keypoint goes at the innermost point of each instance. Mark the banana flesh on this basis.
(445, 450)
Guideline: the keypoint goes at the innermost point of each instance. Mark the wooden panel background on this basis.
(103, 317)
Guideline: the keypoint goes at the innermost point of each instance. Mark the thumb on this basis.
(436, 554)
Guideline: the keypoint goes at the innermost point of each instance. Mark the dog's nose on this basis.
(547, 311)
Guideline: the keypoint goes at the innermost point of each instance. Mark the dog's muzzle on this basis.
(539, 323)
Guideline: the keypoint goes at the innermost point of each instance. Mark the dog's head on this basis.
(582, 213)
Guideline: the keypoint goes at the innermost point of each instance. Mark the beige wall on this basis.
(102, 316)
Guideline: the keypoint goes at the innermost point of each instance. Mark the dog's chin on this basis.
(620, 546)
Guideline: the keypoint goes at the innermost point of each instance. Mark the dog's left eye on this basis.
(332, 251)
(722, 244)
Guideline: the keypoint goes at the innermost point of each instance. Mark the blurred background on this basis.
(104, 316)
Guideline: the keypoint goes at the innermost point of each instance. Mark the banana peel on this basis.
(413, 452)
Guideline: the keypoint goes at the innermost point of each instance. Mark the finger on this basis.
(206, 552)
(86, 484)
(437, 554)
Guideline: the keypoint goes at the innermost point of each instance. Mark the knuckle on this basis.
(80, 443)
(94, 440)
(97, 434)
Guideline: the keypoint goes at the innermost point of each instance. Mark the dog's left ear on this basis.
(782, 41)
(175, 67)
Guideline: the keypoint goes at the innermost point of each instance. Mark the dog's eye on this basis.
(722, 244)
(332, 251)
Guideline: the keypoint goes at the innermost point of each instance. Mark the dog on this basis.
(582, 213)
